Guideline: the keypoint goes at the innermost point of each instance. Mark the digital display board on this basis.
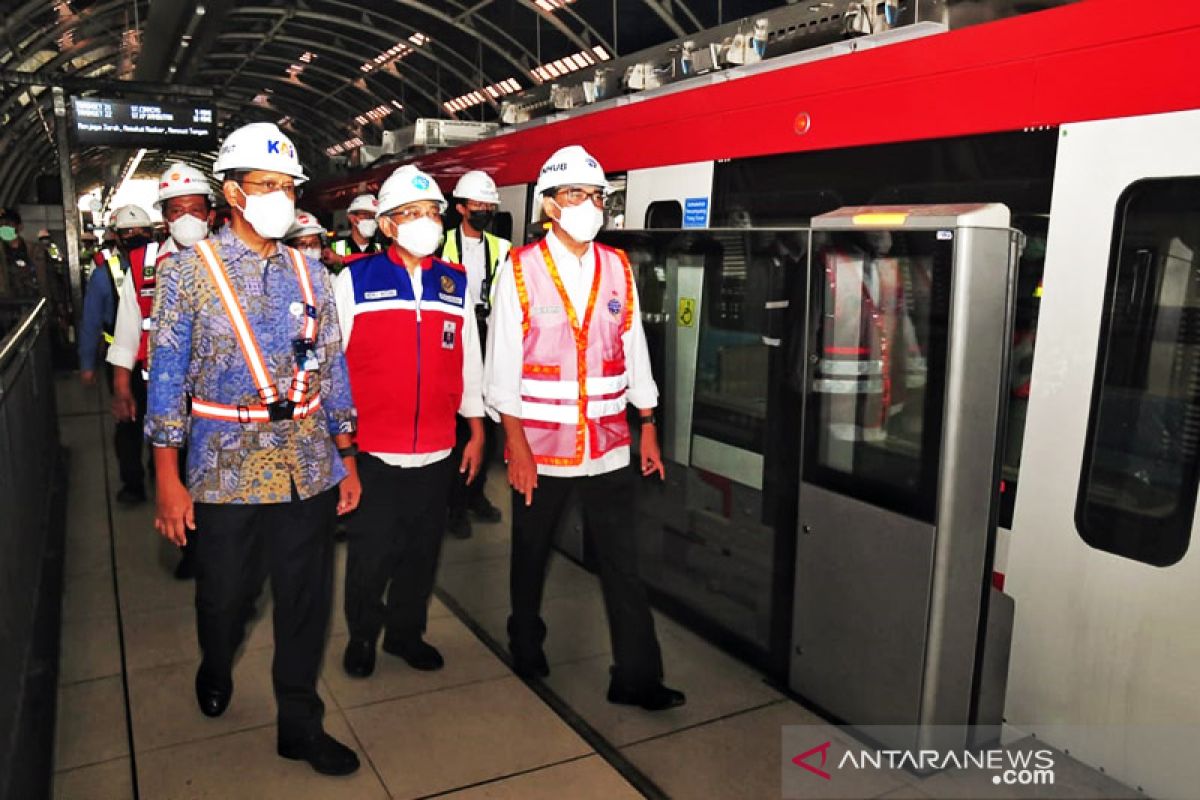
(130, 123)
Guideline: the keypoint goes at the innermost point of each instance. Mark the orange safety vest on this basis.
(573, 383)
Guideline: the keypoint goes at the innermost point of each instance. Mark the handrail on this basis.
(9, 343)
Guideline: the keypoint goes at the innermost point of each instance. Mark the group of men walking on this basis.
(278, 397)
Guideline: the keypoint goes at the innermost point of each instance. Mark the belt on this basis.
(279, 411)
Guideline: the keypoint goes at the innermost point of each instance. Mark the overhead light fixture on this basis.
(568, 64)
(200, 10)
(471, 99)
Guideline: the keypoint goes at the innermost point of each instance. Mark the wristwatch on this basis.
(348, 452)
(650, 419)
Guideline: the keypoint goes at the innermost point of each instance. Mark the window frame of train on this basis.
(1133, 314)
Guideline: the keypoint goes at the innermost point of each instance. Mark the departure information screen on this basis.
(130, 123)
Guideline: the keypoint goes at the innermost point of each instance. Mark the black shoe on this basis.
(323, 753)
(419, 654)
(212, 700)
(359, 658)
(529, 667)
(459, 526)
(483, 509)
(652, 698)
(185, 570)
(131, 496)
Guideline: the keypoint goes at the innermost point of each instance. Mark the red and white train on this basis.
(1084, 122)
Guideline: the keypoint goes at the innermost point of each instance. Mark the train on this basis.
(1064, 457)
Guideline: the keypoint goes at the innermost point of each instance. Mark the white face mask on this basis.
(270, 214)
(312, 252)
(581, 222)
(366, 228)
(419, 237)
(187, 230)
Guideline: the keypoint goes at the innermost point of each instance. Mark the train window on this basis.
(880, 305)
(1141, 463)
(664, 214)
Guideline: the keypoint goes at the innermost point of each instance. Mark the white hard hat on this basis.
(477, 185)
(305, 225)
(364, 202)
(131, 216)
(258, 146)
(570, 166)
(181, 180)
(407, 185)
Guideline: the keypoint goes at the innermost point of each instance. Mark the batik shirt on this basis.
(194, 352)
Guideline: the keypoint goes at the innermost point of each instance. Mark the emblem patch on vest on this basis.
(148, 272)
(614, 306)
(449, 331)
(447, 284)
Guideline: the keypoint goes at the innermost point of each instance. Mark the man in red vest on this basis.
(566, 354)
(186, 202)
(413, 353)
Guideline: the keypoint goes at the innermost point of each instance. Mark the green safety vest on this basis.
(495, 250)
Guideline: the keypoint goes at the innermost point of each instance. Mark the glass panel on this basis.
(880, 314)
(1137, 493)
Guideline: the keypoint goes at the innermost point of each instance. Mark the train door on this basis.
(1107, 587)
(514, 203)
(908, 340)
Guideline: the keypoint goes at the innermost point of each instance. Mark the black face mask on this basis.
(481, 220)
(134, 242)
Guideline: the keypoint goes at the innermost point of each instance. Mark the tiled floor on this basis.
(471, 730)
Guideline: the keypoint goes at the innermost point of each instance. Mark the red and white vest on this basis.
(406, 360)
(145, 279)
(573, 382)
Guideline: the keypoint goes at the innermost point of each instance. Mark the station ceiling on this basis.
(326, 70)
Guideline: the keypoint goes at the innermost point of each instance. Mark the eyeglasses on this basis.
(270, 187)
(403, 215)
(575, 195)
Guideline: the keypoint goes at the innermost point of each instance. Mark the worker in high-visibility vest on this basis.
(566, 356)
(363, 239)
(481, 253)
(113, 268)
(247, 371)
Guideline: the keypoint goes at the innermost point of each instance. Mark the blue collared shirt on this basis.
(194, 352)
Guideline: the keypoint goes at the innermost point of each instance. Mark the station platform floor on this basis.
(128, 726)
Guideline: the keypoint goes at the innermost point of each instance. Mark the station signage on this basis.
(136, 123)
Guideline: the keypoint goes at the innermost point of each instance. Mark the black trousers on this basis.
(237, 546)
(394, 540)
(128, 440)
(462, 494)
(608, 515)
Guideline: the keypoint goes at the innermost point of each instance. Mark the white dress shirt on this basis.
(127, 331)
(506, 353)
(474, 258)
(471, 404)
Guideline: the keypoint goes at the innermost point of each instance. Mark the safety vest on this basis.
(495, 250)
(145, 279)
(406, 359)
(348, 250)
(869, 350)
(273, 408)
(110, 260)
(573, 381)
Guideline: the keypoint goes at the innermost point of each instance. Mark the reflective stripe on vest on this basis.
(574, 380)
(111, 260)
(245, 335)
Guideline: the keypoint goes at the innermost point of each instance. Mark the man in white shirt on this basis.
(566, 353)
(413, 354)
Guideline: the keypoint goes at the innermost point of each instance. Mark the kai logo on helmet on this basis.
(277, 146)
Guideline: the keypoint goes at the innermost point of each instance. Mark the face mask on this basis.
(419, 237)
(187, 230)
(481, 220)
(366, 228)
(581, 222)
(8, 233)
(134, 242)
(312, 252)
(271, 215)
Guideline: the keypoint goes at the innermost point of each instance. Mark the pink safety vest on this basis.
(573, 379)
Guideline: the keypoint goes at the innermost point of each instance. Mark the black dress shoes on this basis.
(483, 509)
(323, 753)
(652, 698)
(359, 658)
(212, 699)
(458, 525)
(531, 666)
(419, 654)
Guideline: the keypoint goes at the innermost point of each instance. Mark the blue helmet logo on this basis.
(591, 162)
(421, 182)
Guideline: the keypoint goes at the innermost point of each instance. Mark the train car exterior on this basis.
(1081, 122)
